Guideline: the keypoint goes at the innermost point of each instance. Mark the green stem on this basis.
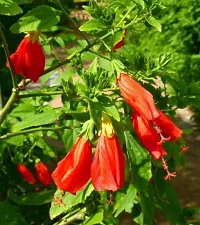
(1, 99)
(28, 131)
(124, 17)
(101, 56)
(77, 216)
(41, 94)
(68, 16)
(6, 109)
(7, 53)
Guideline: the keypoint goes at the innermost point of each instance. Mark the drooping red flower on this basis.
(167, 127)
(108, 166)
(29, 60)
(148, 136)
(26, 173)
(73, 172)
(140, 100)
(43, 174)
(121, 42)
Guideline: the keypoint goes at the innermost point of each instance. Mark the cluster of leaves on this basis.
(34, 129)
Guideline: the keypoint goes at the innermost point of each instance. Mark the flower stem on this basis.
(28, 131)
(40, 94)
(7, 53)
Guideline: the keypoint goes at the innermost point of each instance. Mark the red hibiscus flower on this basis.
(108, 166)
(73, 172)
(29, 60)
(167, 127)
(26, 173)
(140, 100)
(43, 174)
(148, 137)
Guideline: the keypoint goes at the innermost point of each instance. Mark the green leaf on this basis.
(23, 1)
(93, 66)
(36, 198)
(167, 201)
(140, 3)
(93, 24)
(128, 201)
(10, 214)
(147, 204)
(40, 18)
(97, 218)
(37, 120)
(70, 135)
(23, 111)
(154, 22)
(69, 201)
(17, 140)
(139, 160)
(9, 8)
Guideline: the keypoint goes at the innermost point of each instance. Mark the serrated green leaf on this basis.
(93, 24)
(139, 160)
(40, 18)
(154, 22)
(69, 201)
(36, 198)
(128, 201)
(9, 8)
(37, 120)
(10, 214)
(97, 218)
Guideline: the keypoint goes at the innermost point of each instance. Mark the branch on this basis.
(68, 16)
(40, 94)
(36, 130)
(7, 53)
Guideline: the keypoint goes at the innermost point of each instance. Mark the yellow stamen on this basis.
(34, 35)
(106, 126)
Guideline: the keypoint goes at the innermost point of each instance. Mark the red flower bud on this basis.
(140, 100)
(29, 60)
(121, 42)
(26, 173)
(43, 174)
(73, 172)
(108, 166)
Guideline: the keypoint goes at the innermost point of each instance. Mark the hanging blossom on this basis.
(140, 100)
(29, 60)
(151, 126)
(108, 166)
(73, 172)
(26, 174)
(43, 174)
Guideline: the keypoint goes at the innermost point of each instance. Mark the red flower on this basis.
(43, 174)
(73, 172)
(120, 43)
(29, 60)
(140, 100)
(148, 136)
(108, 166)
(26, 173)
(167, 127)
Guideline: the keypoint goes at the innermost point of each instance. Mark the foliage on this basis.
(161, 45)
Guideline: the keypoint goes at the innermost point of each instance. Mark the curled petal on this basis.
(26, 173)
(148, 137)
(43, 174)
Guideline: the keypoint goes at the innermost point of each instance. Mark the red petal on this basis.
(148, 137)
(137, 97)
(169, 129)
(73, 172)
(43, 174)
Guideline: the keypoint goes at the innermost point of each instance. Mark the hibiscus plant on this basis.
(111, 145)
